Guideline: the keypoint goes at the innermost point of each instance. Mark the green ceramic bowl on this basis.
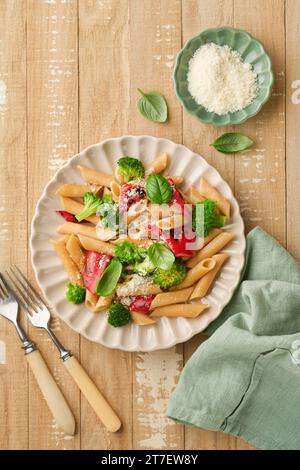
(251, 51)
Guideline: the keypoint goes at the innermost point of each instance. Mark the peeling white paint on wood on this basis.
(156, 376)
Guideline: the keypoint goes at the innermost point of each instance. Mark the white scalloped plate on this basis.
(52, 278)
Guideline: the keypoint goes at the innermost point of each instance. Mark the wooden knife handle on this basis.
(93, 395)
(52, 394)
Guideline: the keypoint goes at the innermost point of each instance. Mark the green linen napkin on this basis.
(245, 379)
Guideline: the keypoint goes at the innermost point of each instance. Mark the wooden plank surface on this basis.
(69, 73)
(13, 215)
(52, 91)
(152, 56)
(292, 125)
(104, 111)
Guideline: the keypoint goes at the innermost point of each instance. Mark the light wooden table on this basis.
(69, 73)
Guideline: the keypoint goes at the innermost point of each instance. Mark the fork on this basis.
(39, 316)
(55, 400)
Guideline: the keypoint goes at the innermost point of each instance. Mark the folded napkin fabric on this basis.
(245, 379)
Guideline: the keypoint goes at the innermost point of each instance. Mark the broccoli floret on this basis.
(91, 204)
(109, 213)
(118, 315)
(145, 267)
(130, 168)
(128, 253)
(75, 294)
(205, 217)
(166, 278)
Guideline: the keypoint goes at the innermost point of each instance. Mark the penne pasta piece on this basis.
(103, 233)
(179, 310)
(177, 180)
(205, 283)
(158, 165)
(103, 303)
(69, 265)
(130, 288)
(212, 248)
(136, 210)
(194, 274)
(115, 189)
(193, 196)
(75, 208)
(90, 244)
(171, 222)
(106, 191)
(175, 297)
(142, 318)
(91, 301)
(77, 190)
(95, 177)
(75, 251)
(214, 232)
(209, 192)
(78, 229)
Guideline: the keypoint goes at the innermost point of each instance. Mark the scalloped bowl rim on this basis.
(194, 113)
(34, 233)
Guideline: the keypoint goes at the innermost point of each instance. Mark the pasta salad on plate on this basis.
(137, 245)
(144, 234)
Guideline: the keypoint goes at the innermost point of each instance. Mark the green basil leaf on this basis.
(153, 106)
(158, 189)
(109, 279)
(161, 256)
(232, 142)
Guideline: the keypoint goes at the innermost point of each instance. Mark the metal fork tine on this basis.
(26, 304)
(4, 286)
(25, 287)
(33, 290)
(2, 292)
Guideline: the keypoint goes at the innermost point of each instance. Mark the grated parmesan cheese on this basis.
(219, 80)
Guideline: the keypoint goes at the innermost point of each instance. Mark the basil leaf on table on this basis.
(158, 189)
(153, 106)
(232, 142)
(161, 256)
(109, 279)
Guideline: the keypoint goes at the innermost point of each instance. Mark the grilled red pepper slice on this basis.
(140, 303)
(130, 194)
(94, 266)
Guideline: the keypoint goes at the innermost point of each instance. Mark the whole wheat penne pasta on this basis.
(69, 265)
(78, 229)
(179, 310)
(75, 208)
(75, 251)
(95, 177)
(159, 164)
(127, 289)
(209, 192)
(193, 196)
(103, 303)
(106, 191)
(115, 189)
(90, 244)
(142, 318)
(91, 301)
(77, 190)
(175, 297)
(204, 284)
(194, 274)
(136, 210)
(212, 248)
(177, 180)
(202, 243)
(174, 221)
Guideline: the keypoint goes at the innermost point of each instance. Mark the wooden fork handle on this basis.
(93, 395)
(52, 394)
